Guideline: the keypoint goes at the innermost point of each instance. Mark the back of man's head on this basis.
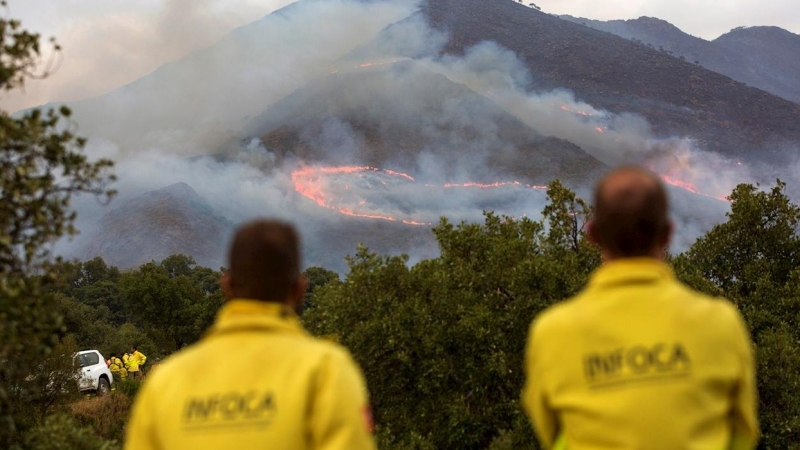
(264, 261)
(631, 215)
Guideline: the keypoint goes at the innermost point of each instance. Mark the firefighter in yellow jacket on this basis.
(257, 379)
(637, 360)
(136, 360)
(116, 367)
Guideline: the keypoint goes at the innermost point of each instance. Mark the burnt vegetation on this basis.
(677, 97)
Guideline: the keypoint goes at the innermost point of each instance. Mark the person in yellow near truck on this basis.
(257, 379)
(116, 367)
(637, 360)
(136, 360)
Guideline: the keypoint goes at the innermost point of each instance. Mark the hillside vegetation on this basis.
(676, 97)
(764, 57)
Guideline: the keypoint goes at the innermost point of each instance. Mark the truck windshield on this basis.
(87, 359)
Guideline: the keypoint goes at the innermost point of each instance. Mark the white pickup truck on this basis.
(94, 374)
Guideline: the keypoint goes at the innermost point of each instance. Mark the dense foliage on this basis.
(41, 168)
(159, 307)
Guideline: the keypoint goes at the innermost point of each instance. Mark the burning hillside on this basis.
(382, 194)
(371, 136)
(405, 116)
(363, 191)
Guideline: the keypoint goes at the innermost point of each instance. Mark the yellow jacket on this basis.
(135, 360)
(257, 380)
(114, 364)
(117, 368)
(639, 361)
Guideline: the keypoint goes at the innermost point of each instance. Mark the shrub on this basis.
(106, 415)
(127, 386)
(61, 432)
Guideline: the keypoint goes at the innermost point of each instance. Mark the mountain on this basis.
(158, 224)
(198, 102)
(676, 97)
(764, 57)
(276, 80)
(394, 114)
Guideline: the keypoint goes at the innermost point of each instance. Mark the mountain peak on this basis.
(157, 224)
(179, 190)
(653, 21)
(759, 33)
(763, 57)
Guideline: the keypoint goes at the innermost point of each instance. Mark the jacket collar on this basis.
(631, 271)
(254, 315)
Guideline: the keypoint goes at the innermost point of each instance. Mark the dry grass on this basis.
(107, 415)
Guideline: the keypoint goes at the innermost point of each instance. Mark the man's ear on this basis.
(226, 284)
(298, 293)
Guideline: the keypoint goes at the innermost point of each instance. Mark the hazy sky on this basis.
(108, 43)
(703, 18)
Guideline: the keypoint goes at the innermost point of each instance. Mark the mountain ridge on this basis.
(615, 74)
(157, 224)
(677, 98)
(385, 128)
(765, 57)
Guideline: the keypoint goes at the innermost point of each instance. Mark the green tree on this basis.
(159, 303)
(178, 265)
(316, 277)
(123, 337)
(61, 432)
(751, 259)
(174, 302)
(758, 244)
(41, 167)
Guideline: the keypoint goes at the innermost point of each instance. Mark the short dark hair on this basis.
(264, 261)
(631, 212)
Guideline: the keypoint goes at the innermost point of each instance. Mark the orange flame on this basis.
(365, 65)
(687, 186)
(308, 183)
(491, 185)
(580, 112)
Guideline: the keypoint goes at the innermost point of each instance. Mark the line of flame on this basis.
(688, 187)
(576, 111)
(314, 192)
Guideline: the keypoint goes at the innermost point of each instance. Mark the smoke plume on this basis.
(158, 128)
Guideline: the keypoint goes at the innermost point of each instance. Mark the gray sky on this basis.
(108, 43)
(703, 18)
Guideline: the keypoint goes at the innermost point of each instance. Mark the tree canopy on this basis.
(41, 167)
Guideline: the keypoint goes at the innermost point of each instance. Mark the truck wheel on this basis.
(103, 387)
